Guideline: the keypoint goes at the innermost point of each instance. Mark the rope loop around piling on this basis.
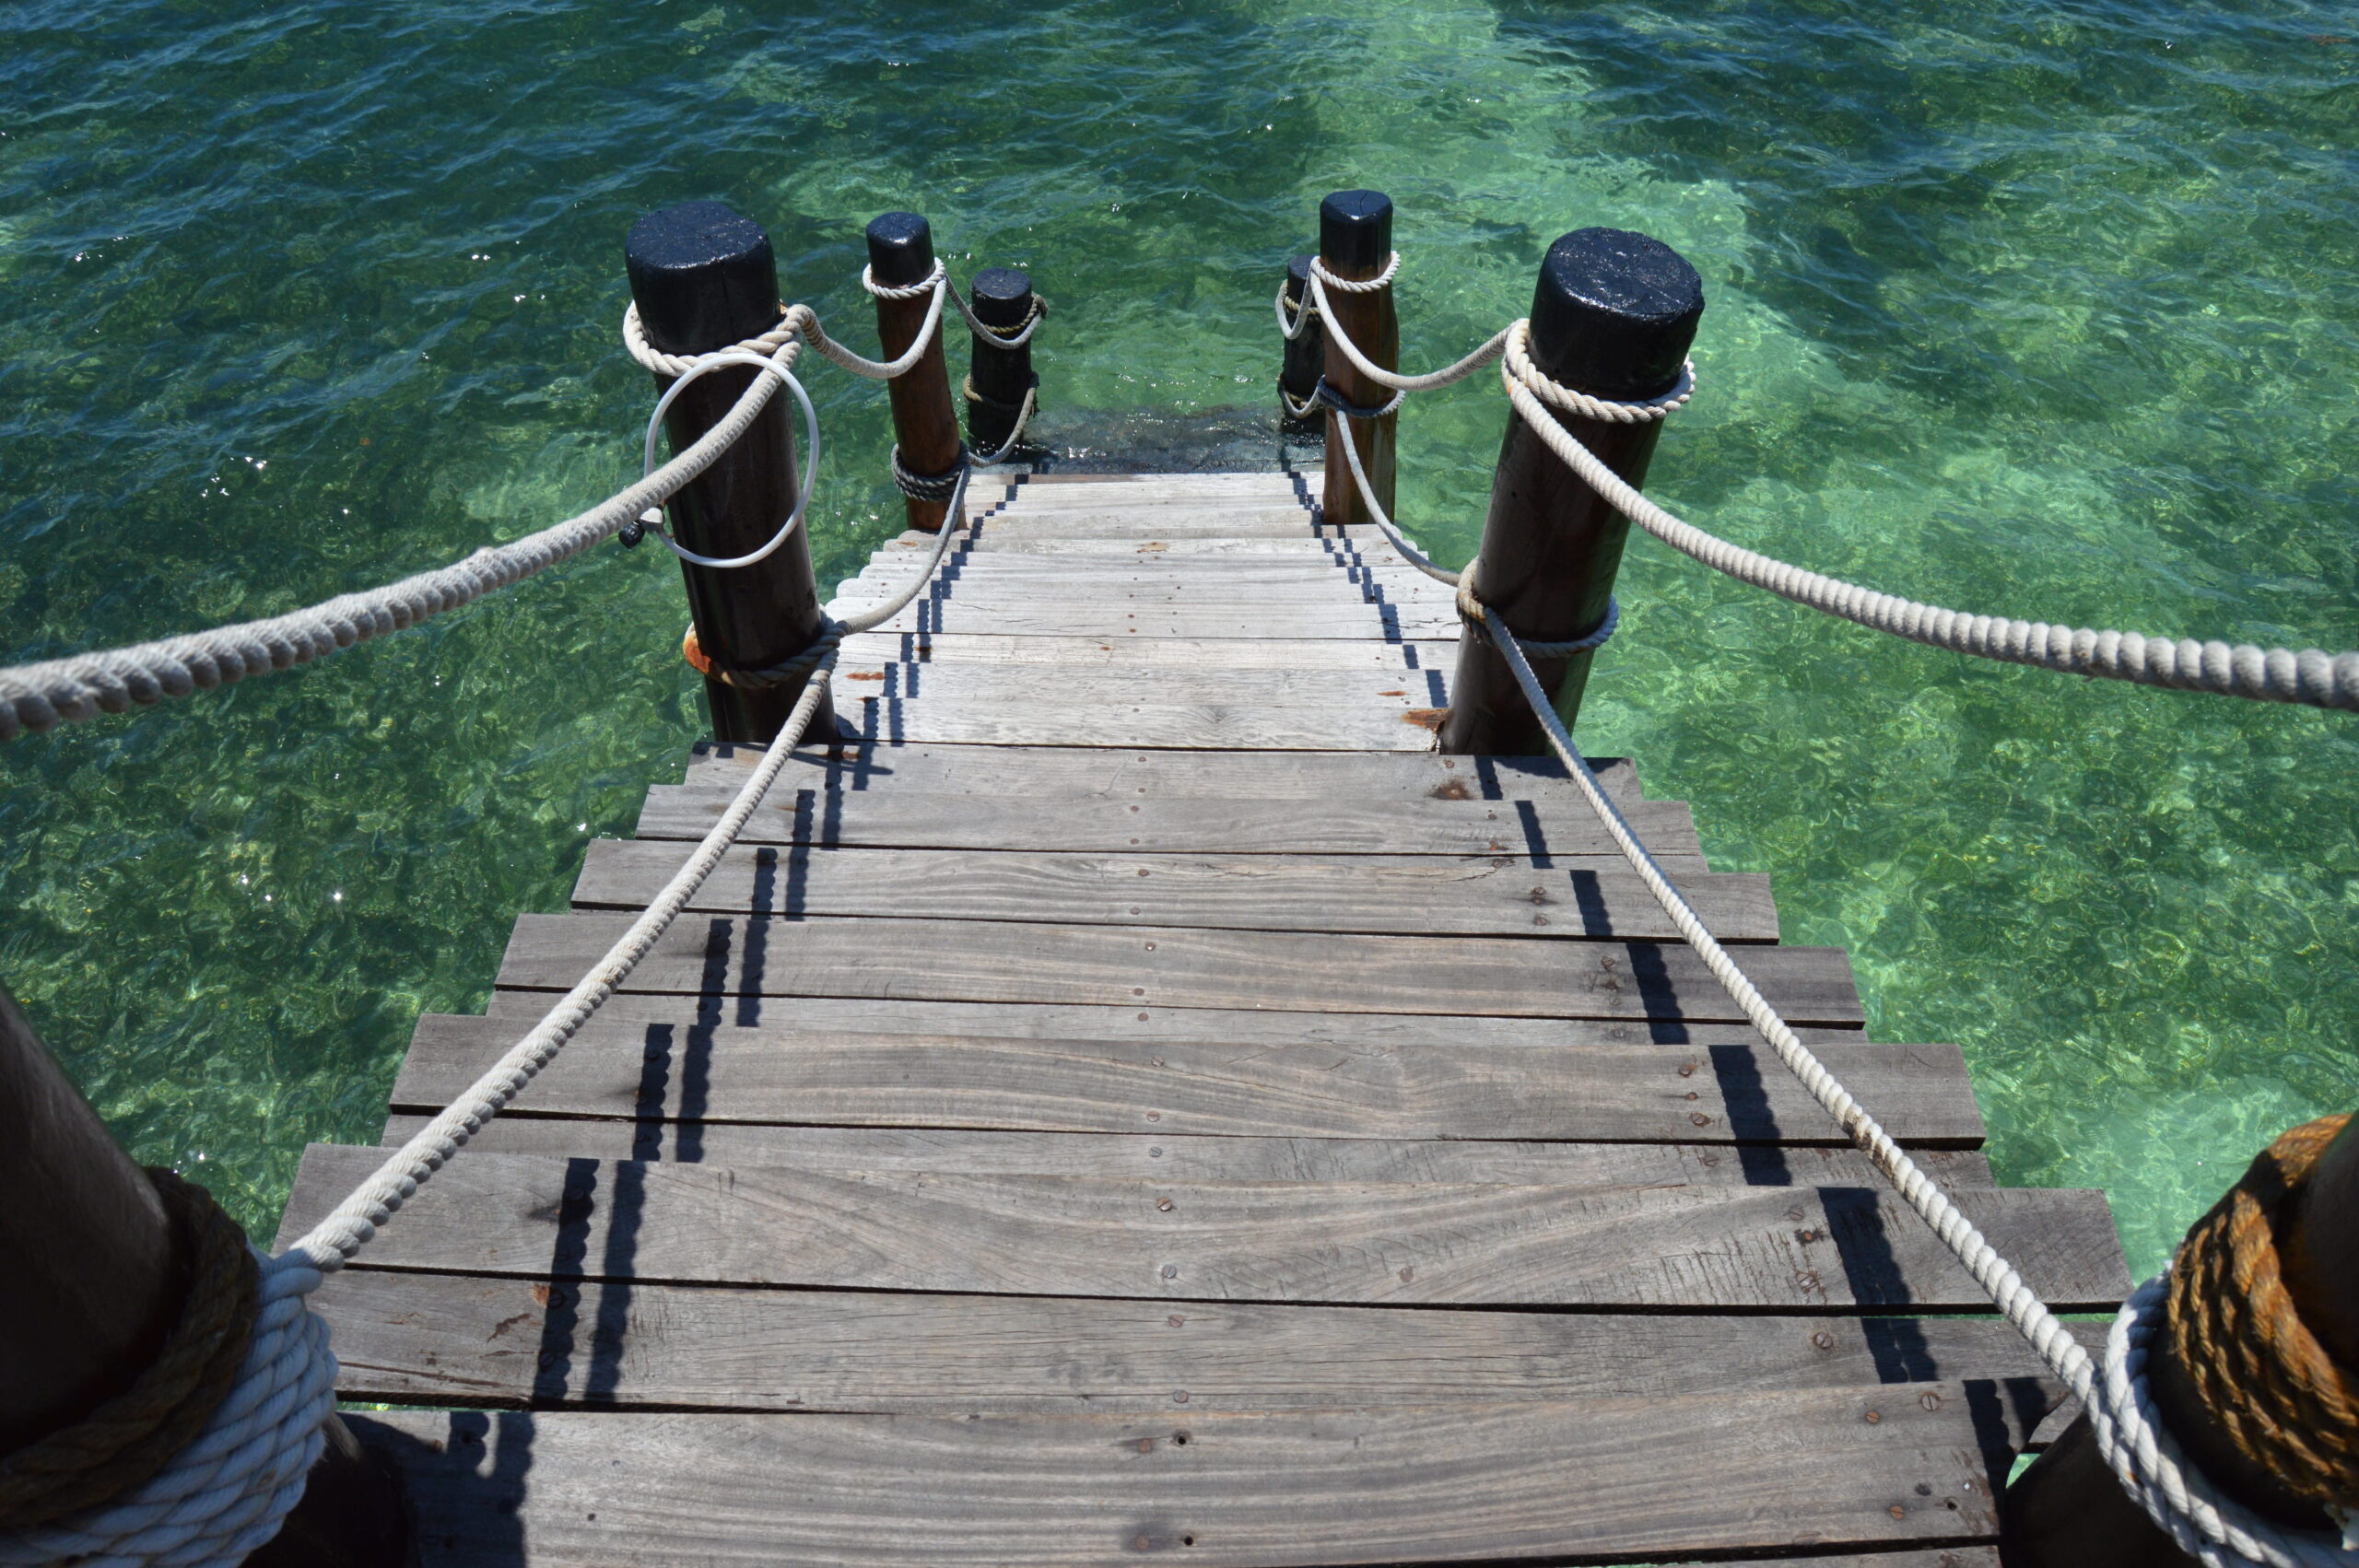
(2279, 1395)
(1377, 285)
(132, 1435)
(2309, 677)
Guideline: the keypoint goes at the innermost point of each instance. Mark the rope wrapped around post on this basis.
(201, 1462)
(2314, 1407)
(2312, 677)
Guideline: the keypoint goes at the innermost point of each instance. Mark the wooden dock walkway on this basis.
(1140, 1101)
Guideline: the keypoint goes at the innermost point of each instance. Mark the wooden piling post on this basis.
(1612, 317)
(997, 376)
(2068, 1510)
(1306, 357)
(1354, 243)
(704, 278)
(925, 426)
(96, 1278)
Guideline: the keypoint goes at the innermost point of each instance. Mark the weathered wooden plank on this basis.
(1687, 1248)
(1090, 770)
(1351, 652)
(523, 1131)
(1340, 693)
(1131, 1020)
(1110, 600)
(1359, 546)
(1177, 722)
(1146, 501)
(1144, 510)
(1385, 622)
(1600, 1481)
(1136, 571)
(442, 1338)
(1411, 894)
(1553, 828)
(1627, 1093)
(1163, 522)
(1163, 966)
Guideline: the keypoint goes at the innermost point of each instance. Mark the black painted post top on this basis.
(1615, 314)
(703, 277)
(1299, 278)
(1356, 229)
(1001, 296)
(901, 250)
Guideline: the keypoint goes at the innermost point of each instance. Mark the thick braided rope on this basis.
(2276, 1393)
(2220, 1532)
(131, 1436)
(1473, 613)
(40, 697)
(2212, 1527)
(228, 1490)
(1381, 281)
(329, 1245)
(801, 323)
(2276, 674)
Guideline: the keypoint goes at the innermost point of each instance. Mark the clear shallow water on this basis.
(2046, 309)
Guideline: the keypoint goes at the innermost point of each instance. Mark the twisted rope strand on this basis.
(1293, 318)
(1377, 515)
(1321, 280)
(2277, 674)
(999, 337)
(2216, 1529)
(231, 1488)
(61, 691)
(2310, 677)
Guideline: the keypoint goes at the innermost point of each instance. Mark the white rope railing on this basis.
(231, 1490)
(2208, 1524)
(2310, 676)
(2205, 1523)
(42, 695)
(60, 691)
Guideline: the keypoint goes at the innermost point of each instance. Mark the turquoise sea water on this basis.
(2049, 309)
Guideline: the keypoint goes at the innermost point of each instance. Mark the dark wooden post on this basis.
(2067, 1511)
(1354, 241)
(704, 278)
(900, 253)
(1612, 317)
(1306, 356)
(997, 376)
(94, 1281)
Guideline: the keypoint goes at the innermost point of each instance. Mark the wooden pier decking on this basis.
(1139, 1101)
